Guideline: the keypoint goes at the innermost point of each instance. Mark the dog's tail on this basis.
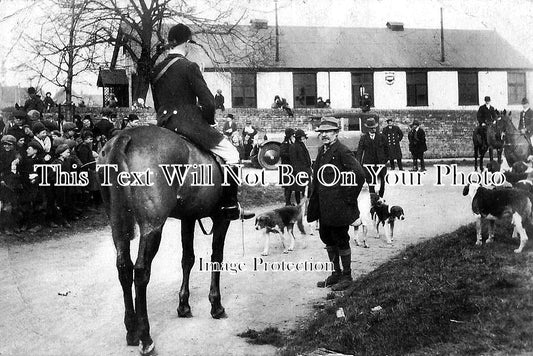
(301, 210)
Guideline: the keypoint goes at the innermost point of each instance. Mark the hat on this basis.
(37, 128)
(230, 115)
(289, 132)
(487, 98)
(179, 34)
(9, 139)
(525, 101)
(389, 119)
(86, 134)
(371, 123)
(300, 133)
(31, 90)
(328, 123)
(67, 126)
(61, 148)
(415, 122)
(35, 145)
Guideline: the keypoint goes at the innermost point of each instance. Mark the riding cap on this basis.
(38, 127)
(487, 98)
(525, 101)
(179, 34)
(289, 132)
(61, 148)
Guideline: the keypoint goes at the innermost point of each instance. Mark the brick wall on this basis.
(448, 132)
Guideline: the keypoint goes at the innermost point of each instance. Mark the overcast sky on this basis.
(512, 19)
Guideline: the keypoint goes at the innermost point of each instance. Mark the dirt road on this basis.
(62, 297)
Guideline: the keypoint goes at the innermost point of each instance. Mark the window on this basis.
(417, 89)
(362, 82)
(468, 88)
(516, 84)
(243, 90)
(304, 89)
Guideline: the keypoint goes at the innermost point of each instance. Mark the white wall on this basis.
(341, 90)
(392, 96)
(222, 81)
(493, 84)
(443, 90)
(270, 84)
(322, 85)
(529, 83)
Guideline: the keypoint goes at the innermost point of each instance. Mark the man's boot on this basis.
(346, 277)
(333, 254)
(230, 207)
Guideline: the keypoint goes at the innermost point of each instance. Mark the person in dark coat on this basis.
(229, 126)
(373, 151)
(335, 206)
(219, 100)
(525, 125)
(34, 102)
(18, 130)
(486, 114)
(417, 146)
(48, 102)
(185, 105)
(300, 162)
(394, 136)
(286, 159)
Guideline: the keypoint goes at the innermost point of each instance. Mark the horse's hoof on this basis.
(132, 339)
(184, 312)
(148, 350)
(219, 313)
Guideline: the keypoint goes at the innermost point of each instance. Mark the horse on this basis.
(489, 140)
(516, 144)
(148, 200)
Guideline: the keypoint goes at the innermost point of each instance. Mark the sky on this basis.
(512, 19)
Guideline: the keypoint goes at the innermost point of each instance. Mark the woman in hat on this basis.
(300, 162)
(373, 151)
(417, 145)
(185, 105)
(335, 206)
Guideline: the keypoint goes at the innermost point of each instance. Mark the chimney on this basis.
(395, 26)
(259, 24)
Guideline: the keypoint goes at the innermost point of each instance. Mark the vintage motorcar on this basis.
(266, 154)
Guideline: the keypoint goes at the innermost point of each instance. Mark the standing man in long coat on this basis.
(185, 105)
(417, 144)
(335, 205)
(373, 150)
(525, 125)
(394, 136)
(300, 162)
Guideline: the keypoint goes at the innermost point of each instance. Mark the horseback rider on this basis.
(185, 105)
(525, 125)
(486, 114)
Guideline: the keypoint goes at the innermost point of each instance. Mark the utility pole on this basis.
(277, 31)
(442, 58)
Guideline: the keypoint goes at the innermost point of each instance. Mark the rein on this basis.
(203, 228)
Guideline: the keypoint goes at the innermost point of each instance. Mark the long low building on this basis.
(400, 68)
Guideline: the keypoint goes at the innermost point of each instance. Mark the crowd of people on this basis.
(32, 197)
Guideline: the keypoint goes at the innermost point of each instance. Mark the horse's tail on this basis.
(117, 198)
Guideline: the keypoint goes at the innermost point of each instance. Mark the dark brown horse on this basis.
(144, 149)
(516, 145)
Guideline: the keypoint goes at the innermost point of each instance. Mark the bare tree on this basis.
(140, 27)
(64, 47)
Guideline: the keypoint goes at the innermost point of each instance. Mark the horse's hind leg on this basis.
(220, 227)
(123, 225)
(148, 246)
(475, 158)
(187, 262)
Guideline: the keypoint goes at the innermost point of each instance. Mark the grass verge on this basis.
(444, 296)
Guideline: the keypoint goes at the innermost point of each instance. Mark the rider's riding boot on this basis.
(230, 207)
